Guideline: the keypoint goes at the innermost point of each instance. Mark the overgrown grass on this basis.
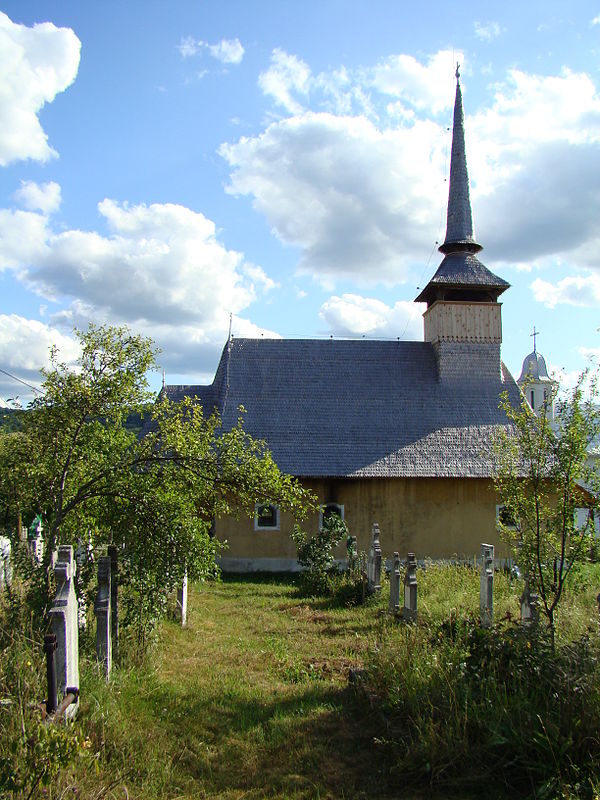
(252, 700)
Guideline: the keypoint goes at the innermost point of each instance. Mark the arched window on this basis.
(266, 517)
(328, 509)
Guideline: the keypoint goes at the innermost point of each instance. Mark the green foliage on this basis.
(522, 713)
(31, 753)
(320, 575)
(315, 555)
(543, 475)
(78, 461)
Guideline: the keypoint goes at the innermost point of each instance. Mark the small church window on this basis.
(504, 517)
(328, 510)
(266, 517)
(533, 400)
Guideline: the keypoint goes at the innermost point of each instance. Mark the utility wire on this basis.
(20, 380)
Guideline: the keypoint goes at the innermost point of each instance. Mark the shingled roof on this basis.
(336, 408)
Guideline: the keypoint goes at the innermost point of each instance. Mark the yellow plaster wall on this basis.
(432, 517)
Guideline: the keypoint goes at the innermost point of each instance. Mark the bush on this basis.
(464, 703)
(321, 576)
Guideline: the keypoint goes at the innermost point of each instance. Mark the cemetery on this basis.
(253, 686)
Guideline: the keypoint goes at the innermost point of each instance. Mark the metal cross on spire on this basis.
(534, 334)
(457, 73)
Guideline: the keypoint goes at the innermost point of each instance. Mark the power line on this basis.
(20, 380)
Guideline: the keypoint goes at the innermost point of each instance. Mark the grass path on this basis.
(251, 700)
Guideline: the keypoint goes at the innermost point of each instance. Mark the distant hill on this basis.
(11, 419)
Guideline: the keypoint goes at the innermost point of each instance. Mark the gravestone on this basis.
(394, 604)
(5, 565)
(352, 551)
(35, 539)
(409, 612)
(64, 625)
(486, 586)
(529, 607)
(102, 609)
(114, 600)
(182, 598)
(374, 562)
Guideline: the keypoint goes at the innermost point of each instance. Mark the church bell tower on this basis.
(462, 296)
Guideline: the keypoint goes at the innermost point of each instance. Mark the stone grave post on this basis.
(103, 616)
(394, 604)
(182, 596)
(374, 562)
(409, 612)
(486, 586)
(352, 552)
(35, 539)
(64, 625)
(5, 565)
(114, 600)
(529, 607)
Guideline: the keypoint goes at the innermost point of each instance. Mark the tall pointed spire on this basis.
(461, 276)
(459, 227)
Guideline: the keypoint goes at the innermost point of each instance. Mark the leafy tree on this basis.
(544, 474)
(76, 461)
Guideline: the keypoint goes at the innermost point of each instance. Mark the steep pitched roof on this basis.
(360, 408)
(460, 269)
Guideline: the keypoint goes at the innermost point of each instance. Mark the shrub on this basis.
(504, 701)
(321, 576)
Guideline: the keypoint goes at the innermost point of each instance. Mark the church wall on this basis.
(432, 517)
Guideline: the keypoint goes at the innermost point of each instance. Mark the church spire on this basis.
(459, 227)
(461, 276)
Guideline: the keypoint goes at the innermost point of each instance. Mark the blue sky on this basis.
(167, 164)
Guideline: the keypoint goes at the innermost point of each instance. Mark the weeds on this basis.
(463, 703)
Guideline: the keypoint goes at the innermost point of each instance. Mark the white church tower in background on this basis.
(535, 383)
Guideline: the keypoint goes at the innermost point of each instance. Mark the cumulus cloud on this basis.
(486, 31)
(227, 51)
(424, 86)
(353, 315)
(24, 349)
(35, 65)
(161, 269)
(354, 174)
(574, 290)
(45, 197)
(356, 199)
(286, 76)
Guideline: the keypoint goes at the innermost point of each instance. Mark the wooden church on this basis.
(398, 433)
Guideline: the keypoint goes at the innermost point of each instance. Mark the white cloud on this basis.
(160, 269)
(227, 51)
(353, 315)
(424, 86)
(35, 65)
(356, 199)
(287, 75)
(354, 175)
(574, 290)
(45, 197)
(486, 31)
(23, 237)
(24, 349)
(595, 20)
(25, 344)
